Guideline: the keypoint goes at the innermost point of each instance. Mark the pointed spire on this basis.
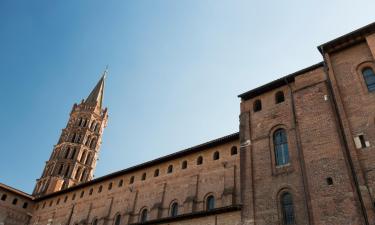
(96, 95)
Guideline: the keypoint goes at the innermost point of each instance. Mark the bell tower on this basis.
(74, 157)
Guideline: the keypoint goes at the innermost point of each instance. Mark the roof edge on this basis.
(347, 39)
(278, 83)
(153, 162)
(16, 191)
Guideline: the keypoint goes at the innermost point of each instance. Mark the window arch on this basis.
(216, 155)
(210, 202)
(257, 106)
(287, 209)
(184, 165)
(174, 209)
(233, 150)
(279, 97)
(156, 173)
(280, 142)
(369, 77)
(199, 160)
(170, 169)
(143, 217)
(117, 219)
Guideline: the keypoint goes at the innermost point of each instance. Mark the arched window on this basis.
(67, 151)
(73, 153)
(88, 159)
(120, 183)
(257, 106)
(216, 156)
(83, 156)
(156, 173)
(280, 142)
(83, 175)
(95, 221)
(93, 143)
(233, 150)
(144, 176)
(369, 76)
(287, 209)
(96, 127)
(77, 173)
(60, 169)
(110, 186)
(170, 169)
(184, 165)
(80, 121)
(87, 141)
(100, 189)
(117, 219)
(199, 160)
(210, 203)
(131, 180)
(73, 138)
(67, 171)
(279, 97)
(143, 217)
(174, 209)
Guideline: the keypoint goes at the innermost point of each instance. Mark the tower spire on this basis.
(97, 94)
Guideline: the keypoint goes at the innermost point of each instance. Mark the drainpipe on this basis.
(343, 138)
(301, 157)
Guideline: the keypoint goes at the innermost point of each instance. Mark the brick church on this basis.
(304, 155)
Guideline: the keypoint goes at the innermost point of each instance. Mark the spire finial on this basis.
(105, 73)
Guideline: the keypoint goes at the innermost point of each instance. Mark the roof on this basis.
(16, 191)
(96, 95)
(277, 83)
(347, 39)
(197, 148)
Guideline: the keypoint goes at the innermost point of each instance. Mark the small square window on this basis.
(329, 180)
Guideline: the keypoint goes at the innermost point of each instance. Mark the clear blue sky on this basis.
(176, 68)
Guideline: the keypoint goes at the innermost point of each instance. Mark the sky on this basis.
(175, 69)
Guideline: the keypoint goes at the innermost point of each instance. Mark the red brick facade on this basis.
(304, 155)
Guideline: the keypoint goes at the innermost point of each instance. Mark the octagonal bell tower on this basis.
(74, 157)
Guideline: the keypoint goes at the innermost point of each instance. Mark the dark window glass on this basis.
(280, 142)
(279, 97)
(144, 176)
(216, 156)
(14, 201)
(24, 205)
(131, 180)
(329, 180)
(120, 183)
(233, 150)
(118, 220)
(287, 209)
(143, 216)
(156, 173)
(210, 203)
(369, 76)
(110, 186)
(100, 188)
(199, 160)
(170, 169)
(174, 209)
(4, 197)
(184, 165)
(257, 105)
(362, 140)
